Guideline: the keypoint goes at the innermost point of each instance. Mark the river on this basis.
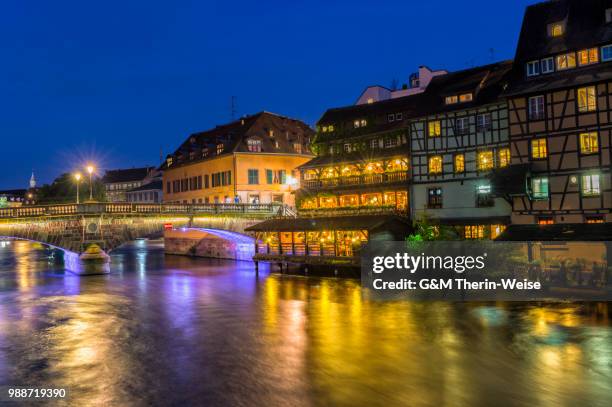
(170, 330)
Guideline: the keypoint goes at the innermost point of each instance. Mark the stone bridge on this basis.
(74, 227)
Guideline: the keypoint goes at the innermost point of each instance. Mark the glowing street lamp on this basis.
(77, 177)
(90, 169)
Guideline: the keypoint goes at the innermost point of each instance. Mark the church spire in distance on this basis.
(32, 180)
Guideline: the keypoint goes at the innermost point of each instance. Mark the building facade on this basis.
(250, 160)
(118, 182)
(151, 192)
(560, 119)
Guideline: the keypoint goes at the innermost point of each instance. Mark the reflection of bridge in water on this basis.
(74, 227)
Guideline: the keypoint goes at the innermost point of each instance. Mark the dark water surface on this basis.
(177, 331)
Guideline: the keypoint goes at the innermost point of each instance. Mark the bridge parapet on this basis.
(136, 208)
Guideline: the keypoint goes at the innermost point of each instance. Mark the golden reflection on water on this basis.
(226, 336)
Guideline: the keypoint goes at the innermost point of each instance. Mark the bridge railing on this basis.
(137, 208)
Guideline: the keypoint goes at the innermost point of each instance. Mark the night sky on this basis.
(117, 81)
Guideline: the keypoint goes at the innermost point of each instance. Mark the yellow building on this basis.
(251, 160)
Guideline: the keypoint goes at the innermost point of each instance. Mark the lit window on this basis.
(548, 65)
(504, 157)
(566, 61)
(536, 107)
(434, 128)
(606, 53)
(587, 101)
(595, 219)
(324, 129)
(588, 56)
(473, 232)
(483, 196)
(434, 198)
(363, 122)
(483, 122)
(330, 128)
(533, 68)
(360, 123)
(254, 145)
(435, 164)
(370, 101)
(390, 142)
(450, 100)
(297, 147)
(485, 160)
(545, 220)
(539, 188)
(466, 97)
(556, 30)
(347, 148)
(497, 230)
(459, 163)
(538, 148)
(356, 124)
(462, 125)
(590, 185)
(589, 143)
(220, 148)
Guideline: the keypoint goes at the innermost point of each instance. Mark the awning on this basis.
(558, 232)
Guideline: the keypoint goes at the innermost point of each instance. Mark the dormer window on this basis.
(204, 152)
(451, 100)
(566, 61)
(169, 161)
(556, 29)
(548, 65)
(533, 68)
(220, 148)
(466, 97)
(254, 145)
(271, 133)
(360, 123)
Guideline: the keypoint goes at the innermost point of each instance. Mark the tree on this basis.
(63, 190)
(428, 229)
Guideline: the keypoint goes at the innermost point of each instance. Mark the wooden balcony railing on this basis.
(363, 179)
(352, 211)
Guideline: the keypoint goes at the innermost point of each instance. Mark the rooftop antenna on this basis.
(233, 107)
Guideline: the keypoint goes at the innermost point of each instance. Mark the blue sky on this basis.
(116, 81)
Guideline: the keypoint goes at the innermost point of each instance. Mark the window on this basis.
(434, 198)
(435, 164)
(548, 65)
(347, 148)
(594, 219)
(539, 188)
(390, 142)
(590, 185)
(485, 160)
(451, 100)
(586, 99)
(556, 30)
(588, 56)
(220, 148)
(390, 117)
(253, 145)
(609, 15)
(168, 190)
(606, 53)
(545, 220)
(466, 97)
(459, 163)
(536, 107)
(370, 101)
(399, 117)
(323, 129)
(538, 148)
(473, 232)
(269, 176)
(204, 152)
(533, 68)
(504, 157)
(360, 123)
(462, 125)
(566, 61)
(374, 143)
(434, 129)
(282, 176)
(206, 181)
(483, 122)
(589, 143)
(253, 176)
(297, 147)
(484, 196)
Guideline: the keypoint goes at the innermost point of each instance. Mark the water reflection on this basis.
(172, 330)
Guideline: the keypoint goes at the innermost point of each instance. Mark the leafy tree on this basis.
(428, 229)
(63, 190)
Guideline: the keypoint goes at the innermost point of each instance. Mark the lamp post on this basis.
(90, 170)
(77, 177)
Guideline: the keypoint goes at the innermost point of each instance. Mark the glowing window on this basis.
(466, 97)
(595, 219)
(539, 188)
(566, 61)
(459, 163)
(220, 148)
(545, 220)
(485, 160)
(589, 143)
(435, 164)
(588, 56)
(538, 148)
(451, 100)
(556, 30)
(434, 128)
(591, 185)
(587, 102)
(504, 157)
(254, 145)
(474, 232)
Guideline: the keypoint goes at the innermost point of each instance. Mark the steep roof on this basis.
(126, 175)
(151, 186)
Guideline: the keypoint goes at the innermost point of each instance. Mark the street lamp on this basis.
(90, 170)
(77, 177)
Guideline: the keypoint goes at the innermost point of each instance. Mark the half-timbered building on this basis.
(559, 100)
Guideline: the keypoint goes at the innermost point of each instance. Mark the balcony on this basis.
(350, 180)
(353, 211)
